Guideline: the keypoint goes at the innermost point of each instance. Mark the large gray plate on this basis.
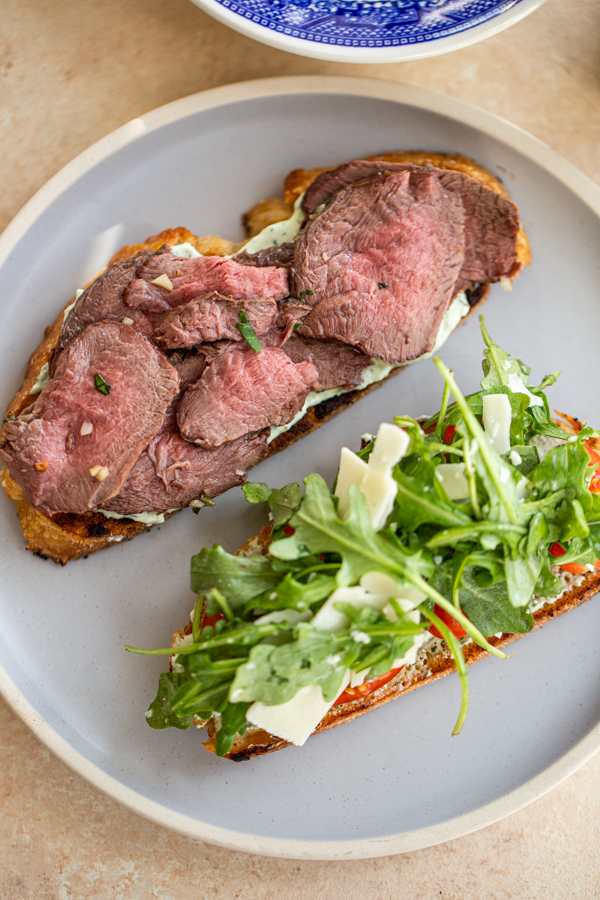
(392, 781)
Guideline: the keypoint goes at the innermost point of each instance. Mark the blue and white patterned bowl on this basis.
(368, 31)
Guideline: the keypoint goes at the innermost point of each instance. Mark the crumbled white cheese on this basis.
(515, 458)
(86, 428)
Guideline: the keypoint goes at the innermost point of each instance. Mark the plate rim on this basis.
(490, 124)
(369, 55)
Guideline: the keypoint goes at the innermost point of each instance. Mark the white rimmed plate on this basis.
(369, 31)
(394, 780)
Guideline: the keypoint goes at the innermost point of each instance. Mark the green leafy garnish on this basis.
(479, 560)
(248, 333)
(307, 293)
(100, 384)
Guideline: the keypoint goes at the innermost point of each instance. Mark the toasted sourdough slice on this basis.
(68, 536)
(433, 662)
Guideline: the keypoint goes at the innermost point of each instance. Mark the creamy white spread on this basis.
(378, 370)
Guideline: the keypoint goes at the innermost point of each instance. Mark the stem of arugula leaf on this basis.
(470, 470)
(319, 568)
(223, 603)
(457, 614)
(196, 618)
(479, 434)
(461, 667)
(439, 428)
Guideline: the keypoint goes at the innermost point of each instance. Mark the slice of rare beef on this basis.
(379, 265)
(190, 278)
(171, 473)
(213, 318)
(491, 220)
(74, 448)
(241, 392)
(338, 365)
(104, 300)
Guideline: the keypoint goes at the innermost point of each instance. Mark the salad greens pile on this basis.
(479, 560)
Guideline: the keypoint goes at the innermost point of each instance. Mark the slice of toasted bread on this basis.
(68, 536)
(433, 661)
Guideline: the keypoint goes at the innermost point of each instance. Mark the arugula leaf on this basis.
(498, 365)
(421, 499)
(318, 530)
(487, 605)
(239, 578)
(256, 491)
(293, 594)
(160, 713)
(284, 502)
(233, 722)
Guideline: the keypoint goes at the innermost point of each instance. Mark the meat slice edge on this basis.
(241, 392)
(379, 265)
(73, 449)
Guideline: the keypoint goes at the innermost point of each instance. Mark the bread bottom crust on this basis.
(432, 664)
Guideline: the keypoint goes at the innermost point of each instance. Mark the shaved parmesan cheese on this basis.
(378, 485)
(352, 471)
(517, 387)
(496, 421)
(296, 719)
(330, 619)
(453, 479)
(284, 615)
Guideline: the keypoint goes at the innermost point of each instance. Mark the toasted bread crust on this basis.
(437, 665)
(68, 536)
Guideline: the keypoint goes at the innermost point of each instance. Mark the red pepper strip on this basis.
(456, 629)
(449, 434)
(210, 620)
(556, 550)
(368, 687)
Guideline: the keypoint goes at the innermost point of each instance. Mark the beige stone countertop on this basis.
(70, 72)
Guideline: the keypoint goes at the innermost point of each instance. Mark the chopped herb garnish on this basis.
(9, 418)
(304, 293)
(101, 385)
(296, 326)
(381, 285)
(248, 333)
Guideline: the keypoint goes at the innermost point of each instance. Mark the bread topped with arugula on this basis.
(441, 541)
(190, 358)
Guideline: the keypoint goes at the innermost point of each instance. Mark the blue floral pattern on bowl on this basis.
(370, 23)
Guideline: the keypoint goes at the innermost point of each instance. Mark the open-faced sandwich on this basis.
(191, 359)
(441, 541)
